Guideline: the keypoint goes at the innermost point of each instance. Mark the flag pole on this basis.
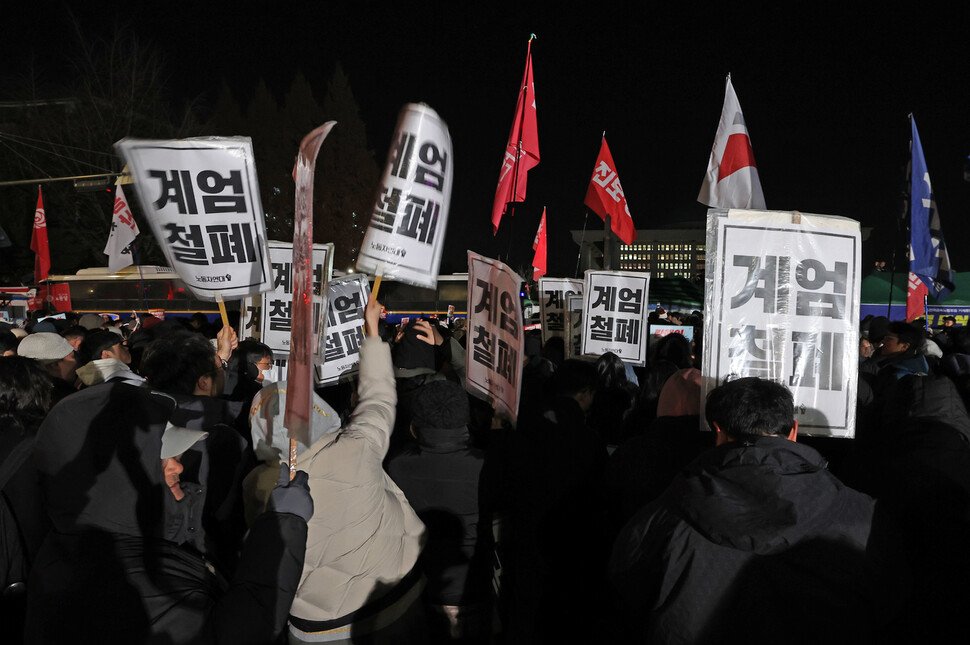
(582, 239)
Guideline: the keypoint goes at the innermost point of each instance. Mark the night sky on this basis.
(825, 97)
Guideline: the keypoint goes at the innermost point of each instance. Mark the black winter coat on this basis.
(754, 542)
(106, 573)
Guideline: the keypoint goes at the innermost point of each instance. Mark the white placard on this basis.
(574, 325)
(270, 315)
(201, 197)
(782, 303)
(407, 228)
(615, 314)
(345, 301)
(552, 304)
(494, 350)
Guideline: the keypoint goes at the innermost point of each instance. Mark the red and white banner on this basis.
(916, 293)
(123, 233)
(539, 246)
(732, 176)
(38, 241)
(522, 151)
(605, 196)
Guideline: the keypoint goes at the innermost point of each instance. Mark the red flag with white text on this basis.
(605, 196)
(539, 246)
(38, 241)
(732, 177)
(916, 293)
(522, 151)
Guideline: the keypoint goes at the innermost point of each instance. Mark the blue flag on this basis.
(928, 258)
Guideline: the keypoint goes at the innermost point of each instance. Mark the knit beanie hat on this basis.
(44, 346)
(440, 404)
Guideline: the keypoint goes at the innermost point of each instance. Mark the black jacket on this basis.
(440, 477)
(754, 542)
(106, 570)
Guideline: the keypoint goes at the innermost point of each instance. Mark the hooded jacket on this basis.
(106, 570)
(753, 539)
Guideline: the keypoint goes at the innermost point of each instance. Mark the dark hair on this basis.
(25, 388)
(96, 342)
(676, 349)
(74, 332)
(8, 341)
(574, 376)
(610, 371)
(253, 351)
(176, 362)
(751, 407)
(906, 333)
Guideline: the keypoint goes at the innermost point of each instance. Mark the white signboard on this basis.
(272, 319)
(201, 198)
(615, 315)
(552, 304)
(782, 303)
(345, 301)
(574, 325)
(494, 350)
(407, 228)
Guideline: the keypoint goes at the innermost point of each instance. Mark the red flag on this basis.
(732, 177)
(916, 293)
(605, 196)
(522, 151)
(539, 246)
(38, 241)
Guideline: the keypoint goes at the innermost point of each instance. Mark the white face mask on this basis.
(270, 376)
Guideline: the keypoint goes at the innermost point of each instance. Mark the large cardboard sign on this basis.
(615, 315)
(407, 228)
(782, 303)
(552, 304)
(345, 301)
(201, 198)
(270, 314)
(493, 364)
(574, 325)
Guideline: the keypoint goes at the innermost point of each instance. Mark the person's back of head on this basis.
(576, 379)
(25, 389)
(176, 362)
(751, 407)
(610, 370)
(439, 405)
(676, 349)
(94, 343)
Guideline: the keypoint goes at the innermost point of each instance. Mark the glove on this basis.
(291, 496)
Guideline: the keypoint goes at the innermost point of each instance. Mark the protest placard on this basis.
(201, 198)
(574, 325)
(493, 364)
(615, 315)
(783, 304)
(552, 304)
(407, 228)
(345, 300)
(269, 316)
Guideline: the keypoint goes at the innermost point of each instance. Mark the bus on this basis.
(143, 289)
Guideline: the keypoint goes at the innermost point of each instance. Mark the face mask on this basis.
(270, 376)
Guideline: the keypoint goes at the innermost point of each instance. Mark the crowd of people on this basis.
(146, 494)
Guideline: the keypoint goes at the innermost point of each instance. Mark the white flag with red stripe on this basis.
(732, 176)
